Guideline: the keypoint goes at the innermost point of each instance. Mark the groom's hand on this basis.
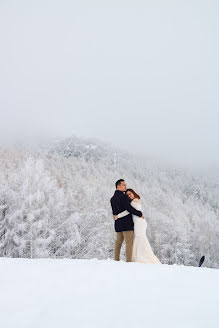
(142, 216)
(115, 217)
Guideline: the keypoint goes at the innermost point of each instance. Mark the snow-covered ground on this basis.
(90, 293)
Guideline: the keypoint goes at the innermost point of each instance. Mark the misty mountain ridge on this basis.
(96, 150)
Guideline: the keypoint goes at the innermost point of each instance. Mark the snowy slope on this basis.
(90, 293)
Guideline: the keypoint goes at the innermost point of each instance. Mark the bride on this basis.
(142, 251)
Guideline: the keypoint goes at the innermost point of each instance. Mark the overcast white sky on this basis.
(141, 74)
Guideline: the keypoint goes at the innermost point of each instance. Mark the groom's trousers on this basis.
(120, 236)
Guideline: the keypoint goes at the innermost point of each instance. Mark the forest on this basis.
(55, 203)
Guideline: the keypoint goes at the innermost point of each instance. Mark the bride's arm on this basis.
(121, 215)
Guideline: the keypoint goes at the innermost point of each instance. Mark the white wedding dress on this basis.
(142, 251)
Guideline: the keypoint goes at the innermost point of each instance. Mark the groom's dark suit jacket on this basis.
(121, 202)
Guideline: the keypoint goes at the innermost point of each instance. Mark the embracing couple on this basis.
(130, 225)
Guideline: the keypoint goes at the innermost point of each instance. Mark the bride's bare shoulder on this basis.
(136, 200)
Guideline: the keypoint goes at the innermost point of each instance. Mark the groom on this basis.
(124, 226)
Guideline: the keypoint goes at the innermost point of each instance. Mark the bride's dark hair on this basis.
(134, 193)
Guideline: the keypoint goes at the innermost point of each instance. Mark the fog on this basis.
(141, 75)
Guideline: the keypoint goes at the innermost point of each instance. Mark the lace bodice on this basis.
(136, 205)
